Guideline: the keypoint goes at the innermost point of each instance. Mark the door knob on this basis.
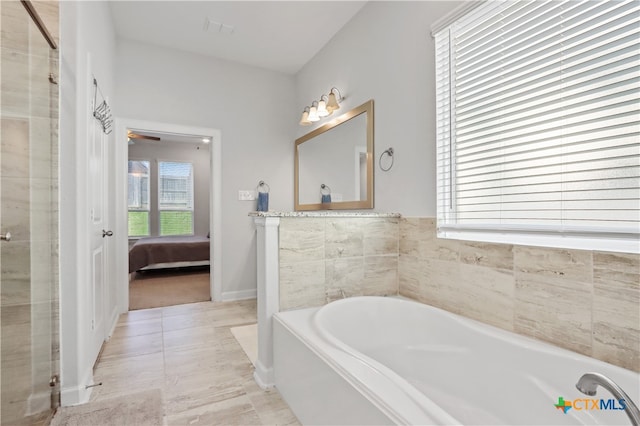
(5, 237)
(106, 233)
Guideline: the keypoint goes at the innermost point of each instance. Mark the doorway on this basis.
(168, 218)
(178, 134)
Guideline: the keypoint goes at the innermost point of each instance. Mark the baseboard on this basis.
(114, 321)
(75, 395)
(263, 376)
(229, 296)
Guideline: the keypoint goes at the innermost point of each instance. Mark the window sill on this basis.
(623, 243)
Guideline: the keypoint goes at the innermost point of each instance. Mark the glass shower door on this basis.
(29, 354)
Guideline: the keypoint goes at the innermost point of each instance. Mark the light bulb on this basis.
(313, 114)
(332, 104)
(322, 109)
(304, 121)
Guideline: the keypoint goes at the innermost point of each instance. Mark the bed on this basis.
(168, 252)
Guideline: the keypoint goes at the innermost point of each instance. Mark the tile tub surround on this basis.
(309, 258)
(320, 256)
(585, 301)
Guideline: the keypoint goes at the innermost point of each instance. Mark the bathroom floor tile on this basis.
(189, 352)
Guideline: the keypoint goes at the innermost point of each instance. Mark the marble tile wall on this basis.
(29, 210)
(585, 301)
(322, 256)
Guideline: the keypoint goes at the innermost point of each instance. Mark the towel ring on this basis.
(389, 152)
(261, 186)
(324, 189)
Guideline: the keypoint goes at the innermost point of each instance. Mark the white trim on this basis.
(215, 215)
(454, 15)
(215, 210)
(229, 296)
(264, 376)
(612, 243)
(268, 288)
(78, 394)
(111, 325)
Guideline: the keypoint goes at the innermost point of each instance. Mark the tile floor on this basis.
(188, 351)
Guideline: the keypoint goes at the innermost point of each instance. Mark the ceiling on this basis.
(276, 35)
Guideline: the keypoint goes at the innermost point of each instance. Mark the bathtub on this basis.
(379, 360)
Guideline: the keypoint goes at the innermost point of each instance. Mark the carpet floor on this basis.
(140, 409)
(168, 287)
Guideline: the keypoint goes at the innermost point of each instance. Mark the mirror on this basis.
(334, 163)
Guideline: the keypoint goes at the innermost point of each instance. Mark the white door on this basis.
(97, 293)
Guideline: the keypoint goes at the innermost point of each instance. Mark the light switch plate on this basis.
(246, 195)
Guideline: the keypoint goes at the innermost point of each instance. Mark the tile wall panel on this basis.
(301, 240)
(322, 258)
(302, 284)
(616, 308)
(585, 301)
(588, 302)
(344, 237)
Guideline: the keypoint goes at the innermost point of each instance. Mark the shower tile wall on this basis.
(585, 301)
(28, 209)
(319, 257)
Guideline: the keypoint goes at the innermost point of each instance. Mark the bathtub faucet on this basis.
(589, 382)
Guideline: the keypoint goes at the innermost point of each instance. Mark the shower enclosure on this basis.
(29, 331)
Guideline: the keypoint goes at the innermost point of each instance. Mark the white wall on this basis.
(386, 53)
(256, 113)
(85, 29)
(196, 154)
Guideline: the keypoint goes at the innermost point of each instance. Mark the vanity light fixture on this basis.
(322, 108)
(206, 140)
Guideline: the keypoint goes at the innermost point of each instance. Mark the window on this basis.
(175, 198)
(138, 180)
(538, 134)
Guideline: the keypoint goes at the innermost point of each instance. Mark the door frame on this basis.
(120, 182)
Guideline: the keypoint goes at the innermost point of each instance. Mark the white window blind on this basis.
(175, 198)
(538, 124)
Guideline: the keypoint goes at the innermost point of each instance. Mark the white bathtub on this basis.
(377, 360)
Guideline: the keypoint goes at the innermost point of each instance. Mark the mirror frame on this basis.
(365, 108)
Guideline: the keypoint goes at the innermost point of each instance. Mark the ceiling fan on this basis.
(131, 135)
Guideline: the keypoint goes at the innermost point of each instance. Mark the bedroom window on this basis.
(538, 140)
(175, 198)
(138, 180)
